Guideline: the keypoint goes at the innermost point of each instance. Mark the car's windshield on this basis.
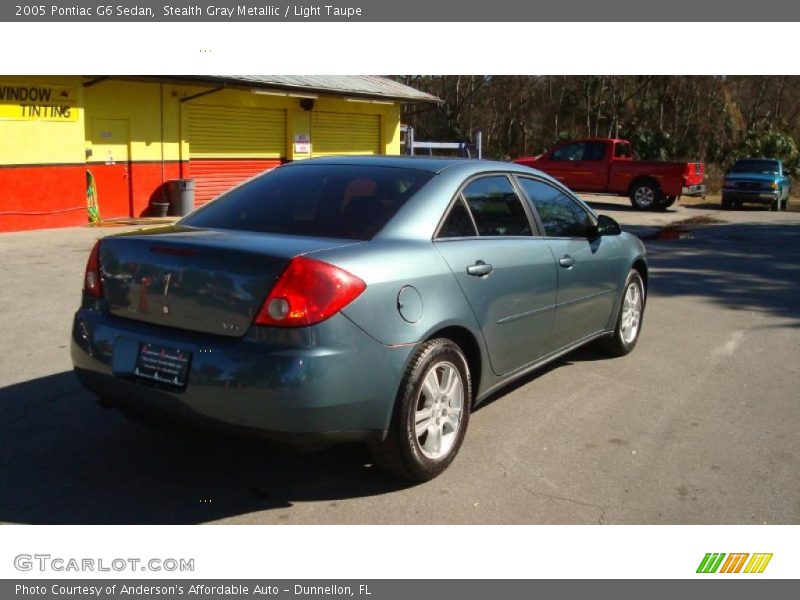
(756, 166)
(337, 201)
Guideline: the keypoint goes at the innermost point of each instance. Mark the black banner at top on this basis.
(677, 11)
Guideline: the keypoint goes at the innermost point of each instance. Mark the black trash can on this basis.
(159, 209)
(181, 196)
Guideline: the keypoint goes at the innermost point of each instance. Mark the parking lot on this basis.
(699, 425)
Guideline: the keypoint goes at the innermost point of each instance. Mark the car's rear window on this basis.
(338, 201)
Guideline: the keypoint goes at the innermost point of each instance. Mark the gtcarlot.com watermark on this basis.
(59, 564)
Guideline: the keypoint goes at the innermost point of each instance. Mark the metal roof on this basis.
(435, 164)
(362, 86)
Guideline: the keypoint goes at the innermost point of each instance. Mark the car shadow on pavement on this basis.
(615, 207)
(588, 353)
(610, 207)
(66, 460)
(717, 206)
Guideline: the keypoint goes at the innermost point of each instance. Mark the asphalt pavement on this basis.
(699, 425)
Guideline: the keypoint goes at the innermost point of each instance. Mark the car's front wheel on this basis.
(431, 413)
(629, 317)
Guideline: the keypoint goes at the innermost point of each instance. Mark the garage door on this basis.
(229, 145)
(342, 133)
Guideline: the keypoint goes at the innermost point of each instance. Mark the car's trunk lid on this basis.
(205, 280)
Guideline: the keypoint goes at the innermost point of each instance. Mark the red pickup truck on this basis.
(606, 166)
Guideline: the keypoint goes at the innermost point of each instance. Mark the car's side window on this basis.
(458, 223)
(569, 152)
(622, 150)
(496, 208)
(595, 151)
(561, 215)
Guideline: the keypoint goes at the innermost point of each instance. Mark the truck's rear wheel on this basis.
(646, 195)
(669, 201)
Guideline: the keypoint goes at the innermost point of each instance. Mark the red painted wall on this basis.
(147, 184)
(126, 190)
(43, 196)
(37, 197)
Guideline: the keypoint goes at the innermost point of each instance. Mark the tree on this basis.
(709, 118)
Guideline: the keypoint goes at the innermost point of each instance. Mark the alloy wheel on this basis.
(440, 404)
(644, 196)
(631, 313)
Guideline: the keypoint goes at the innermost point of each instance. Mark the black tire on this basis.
(646, 195)
(775, 205)
(727, 204)
(669, 201)
(401, 452)
(616, 345)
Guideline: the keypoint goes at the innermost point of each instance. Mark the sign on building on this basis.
(36, 102)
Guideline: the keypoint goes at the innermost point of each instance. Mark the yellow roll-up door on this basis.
(343, 133)
(228, 145)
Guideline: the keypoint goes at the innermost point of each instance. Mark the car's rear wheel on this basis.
(629, 318)
(431, 413)
(669, 201)
(727, 204)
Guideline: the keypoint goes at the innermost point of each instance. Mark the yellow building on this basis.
(131, 135)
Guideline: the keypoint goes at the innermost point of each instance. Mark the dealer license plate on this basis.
(168, 366)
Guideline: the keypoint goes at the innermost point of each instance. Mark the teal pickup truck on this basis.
(757, 180)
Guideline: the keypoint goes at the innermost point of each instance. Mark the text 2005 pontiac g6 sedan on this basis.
(375, 299)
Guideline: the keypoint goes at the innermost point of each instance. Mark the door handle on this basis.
(479, 269)
(566, 261)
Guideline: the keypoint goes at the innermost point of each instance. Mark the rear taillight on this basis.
(92, 283)
(307, 292)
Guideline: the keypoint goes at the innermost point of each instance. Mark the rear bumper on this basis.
(321, 384)
(693, 190)
(759, 196)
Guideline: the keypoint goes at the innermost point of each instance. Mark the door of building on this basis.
(109, 162)
(228, 145)
(334, 134)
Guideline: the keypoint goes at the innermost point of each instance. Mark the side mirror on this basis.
(605, 226)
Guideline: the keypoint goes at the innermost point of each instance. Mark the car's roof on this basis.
(434, 164)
